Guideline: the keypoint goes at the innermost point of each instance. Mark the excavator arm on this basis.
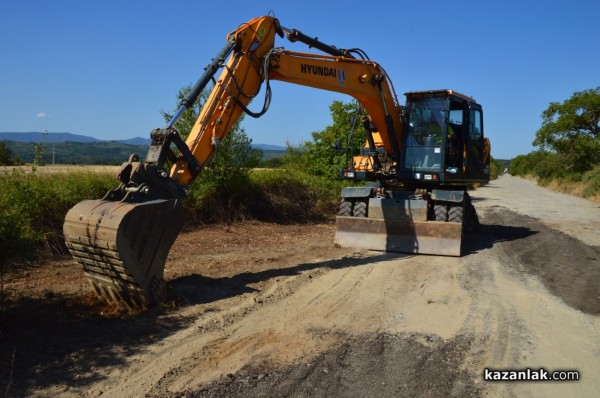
(122, 240)
(239, 82)
(362, 79)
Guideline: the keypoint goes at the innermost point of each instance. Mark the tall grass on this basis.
(33, 205)
(586, 185)
(277, 195)
(591, 183)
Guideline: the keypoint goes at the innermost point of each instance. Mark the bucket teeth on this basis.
(122, 247)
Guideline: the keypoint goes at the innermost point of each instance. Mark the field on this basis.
(62, 168)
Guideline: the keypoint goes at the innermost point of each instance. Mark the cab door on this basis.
(475, 145)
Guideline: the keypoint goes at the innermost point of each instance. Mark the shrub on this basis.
(291, 195)
(591, 181)
(218, 200)
(541, 164)
(268, 195)
(33, 207)
(495, 168)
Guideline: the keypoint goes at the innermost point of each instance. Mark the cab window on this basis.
(475, 130)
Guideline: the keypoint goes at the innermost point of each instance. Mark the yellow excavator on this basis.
(416, 162)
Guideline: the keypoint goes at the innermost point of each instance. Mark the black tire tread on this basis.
(440, 212)
(360, 209)
(455, 213)
(345, 208)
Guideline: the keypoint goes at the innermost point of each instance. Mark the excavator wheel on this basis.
(440, 212)
(455, 213)
(360, 208)
(122, 247)
(345, 208)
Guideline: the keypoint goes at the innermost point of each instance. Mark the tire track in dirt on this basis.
(504, 317)
(304, 316)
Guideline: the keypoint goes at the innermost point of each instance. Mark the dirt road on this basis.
(275, 310)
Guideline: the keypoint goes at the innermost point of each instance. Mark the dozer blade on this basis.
(423, 237)
(123, 247)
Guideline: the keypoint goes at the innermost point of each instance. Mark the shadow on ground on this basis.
(198, 289)
(68, 340)
(493, 231)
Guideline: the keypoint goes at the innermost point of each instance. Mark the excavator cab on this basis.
(442, 143)
(443, 138)
(418, 201)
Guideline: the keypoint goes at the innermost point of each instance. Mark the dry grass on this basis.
(62, 168)
(575, 188)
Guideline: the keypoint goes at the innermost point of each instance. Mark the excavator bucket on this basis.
(404, 236)
(123, 247)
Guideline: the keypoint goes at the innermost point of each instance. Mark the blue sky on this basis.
(106, 68)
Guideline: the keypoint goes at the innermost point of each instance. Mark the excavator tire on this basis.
(455, 214)
(440, 212)
(345, 208)
(360, 209)
(122, 247)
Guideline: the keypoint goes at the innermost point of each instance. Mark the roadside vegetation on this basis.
(7, 156)
(33, 207)
(567, 157)
(300, 186)
(33, 204)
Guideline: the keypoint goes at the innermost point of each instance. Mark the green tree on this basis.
(572, 130)
(6, 155)
(38, 160)
(224, 186)
(320, 156)
(543, 164)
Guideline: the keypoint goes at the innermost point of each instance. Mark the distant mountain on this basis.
(43, 137)
(65, 137)
(69, 137)
(268, 147)
(135, 141)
